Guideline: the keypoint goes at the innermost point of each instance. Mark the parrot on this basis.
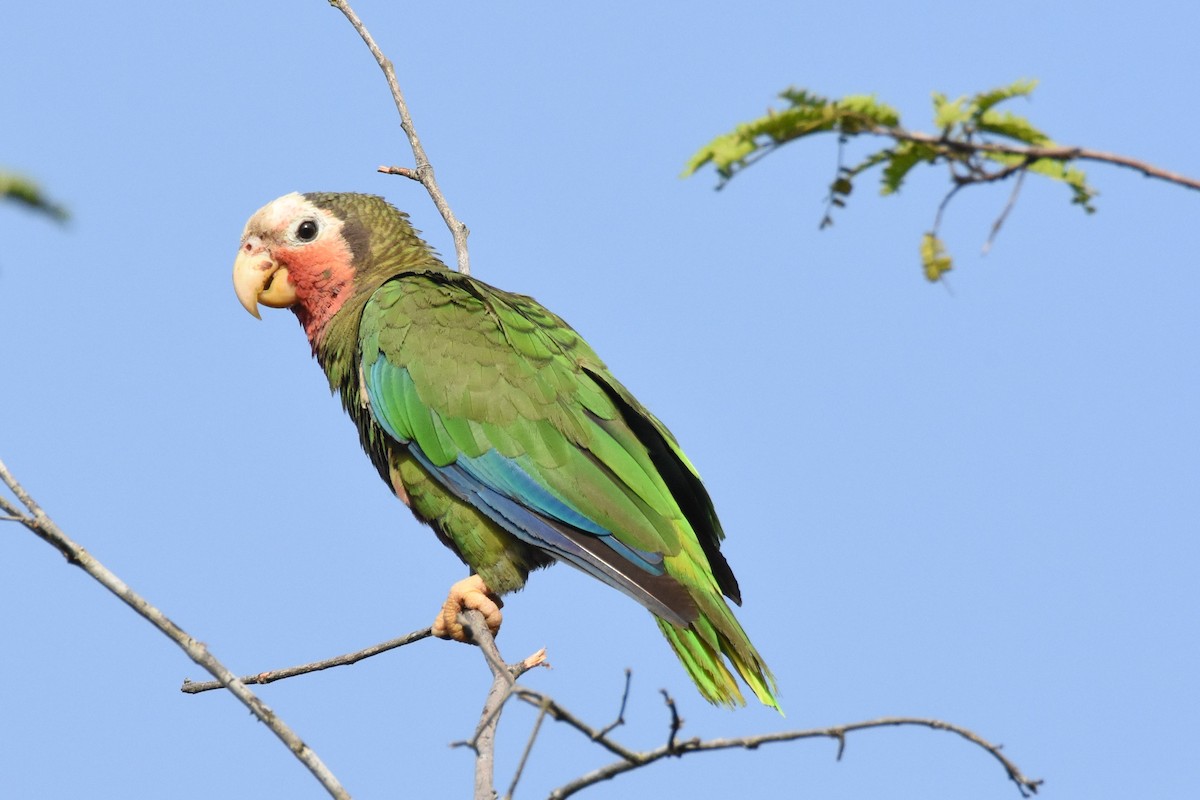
(499, 427)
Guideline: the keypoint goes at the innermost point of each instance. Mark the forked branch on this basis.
(630, 760)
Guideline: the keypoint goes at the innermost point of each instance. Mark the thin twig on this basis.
(620, 720)
(533, 734)
(676, 721)
(561, 714)
(190, 687)
(941, 209)
(1008, 207)
(424, 170)
(832, 200)
(42, 526)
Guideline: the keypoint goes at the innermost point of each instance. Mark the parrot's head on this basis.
(313, 252)
(298, 252)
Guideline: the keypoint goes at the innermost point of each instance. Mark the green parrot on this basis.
(497, 425)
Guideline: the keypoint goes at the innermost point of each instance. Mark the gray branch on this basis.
(630, 760)
(504, 683)
(262, 678)
(36, 520)
(423, 172)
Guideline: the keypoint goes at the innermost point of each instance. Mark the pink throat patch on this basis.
(323, 274)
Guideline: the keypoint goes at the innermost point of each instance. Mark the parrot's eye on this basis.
(306, 231)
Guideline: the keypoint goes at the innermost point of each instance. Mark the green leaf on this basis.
(878, 157)
(866, 106)
(807, 114)
(1005, 123)
(948, 113)
(903, 158)
(1057, 169)
(723, 152)
(1075, 178)
(934, 258)
(25, 191)
(1019, 88)
(803, 97)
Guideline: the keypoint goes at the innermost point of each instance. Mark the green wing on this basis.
(511, 412)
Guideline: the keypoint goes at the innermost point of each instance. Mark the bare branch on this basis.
(45, 528)
(14, 513)
(676, 722)
(190, 687)
(631, 760)
(561, 714)
(941, 209)
(1008, 207)
(504, 680)
(620, 720)
(424, 170)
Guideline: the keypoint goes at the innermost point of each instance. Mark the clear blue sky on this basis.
(978, 505)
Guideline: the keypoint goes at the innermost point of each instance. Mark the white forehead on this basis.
(276, 216)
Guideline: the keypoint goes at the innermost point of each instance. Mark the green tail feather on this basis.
(700, 647)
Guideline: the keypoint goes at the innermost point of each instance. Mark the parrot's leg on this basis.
(469, 593)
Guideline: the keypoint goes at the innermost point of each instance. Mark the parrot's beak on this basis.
(257, 278)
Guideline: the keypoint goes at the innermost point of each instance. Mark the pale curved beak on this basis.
(258, 278)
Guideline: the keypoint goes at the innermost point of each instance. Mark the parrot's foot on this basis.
(469, 593)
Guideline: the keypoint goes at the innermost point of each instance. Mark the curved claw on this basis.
(469, 593)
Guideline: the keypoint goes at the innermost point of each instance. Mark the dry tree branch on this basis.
(190, 687)
(620, 720)
(423, 173)
(36, 520)
(533, 734)
(631, 760)
(504, 681)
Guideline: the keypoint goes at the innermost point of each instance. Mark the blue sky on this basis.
(978, 505)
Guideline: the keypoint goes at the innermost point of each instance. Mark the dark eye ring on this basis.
(306, 231)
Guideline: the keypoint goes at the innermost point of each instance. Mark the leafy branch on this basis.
(977, 141)
(22, 190)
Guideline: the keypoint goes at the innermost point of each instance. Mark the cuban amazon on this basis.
(498, 426)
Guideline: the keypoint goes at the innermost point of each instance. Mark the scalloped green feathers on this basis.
(503, 429)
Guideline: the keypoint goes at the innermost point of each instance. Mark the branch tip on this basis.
(423, 171)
